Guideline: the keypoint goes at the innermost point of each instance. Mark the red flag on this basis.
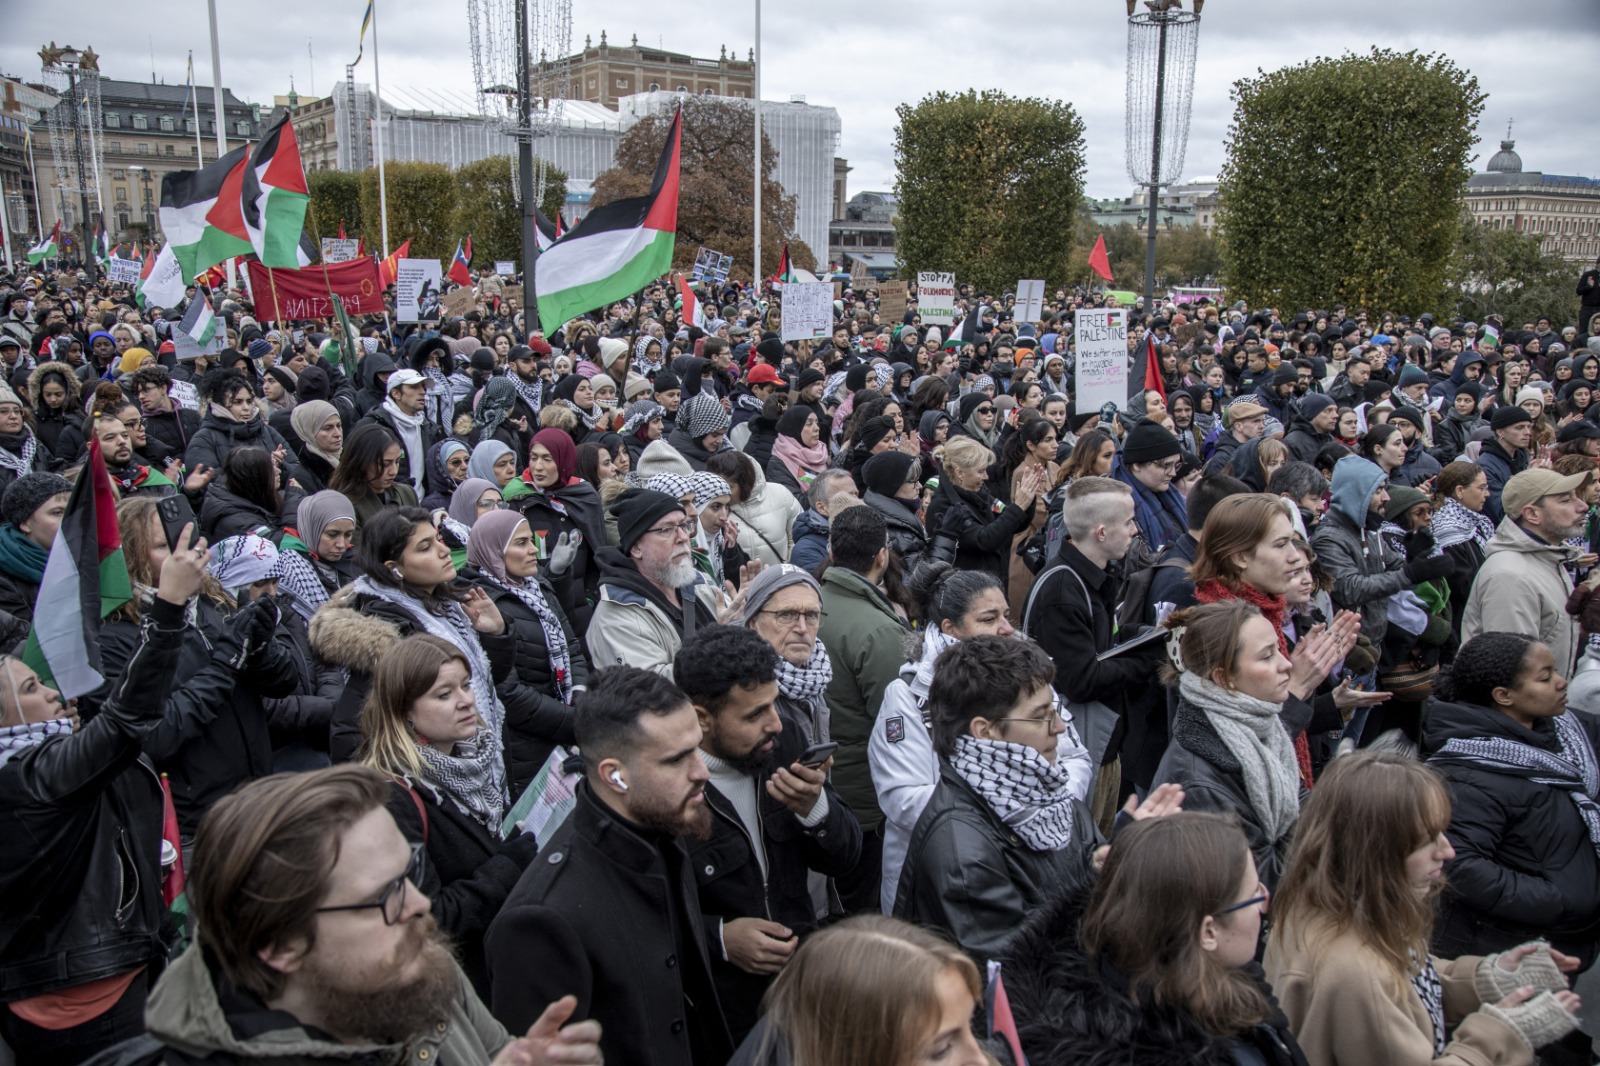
(460, 271)
(283, 294)
(341, 229)
(1000, 1018)
(391, 264)
(1152, 365)
(173, 881)
(1099, 262)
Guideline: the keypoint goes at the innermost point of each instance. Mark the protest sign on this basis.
(123, 271)
(1101, 339)
(340, 249)
(807, 310)
(506, 268)
(1030, 301)
(284, 294)
(711, 265)
(936, 297)
(459, 301)
(512, 294)
(891, 301)
(416, 290)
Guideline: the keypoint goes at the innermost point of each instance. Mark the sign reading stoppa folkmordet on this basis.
(1101, 374)
(936, 298)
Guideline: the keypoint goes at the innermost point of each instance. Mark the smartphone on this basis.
(817, 754)
(175, 513)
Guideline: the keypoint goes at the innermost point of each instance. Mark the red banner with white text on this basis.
(282, 294)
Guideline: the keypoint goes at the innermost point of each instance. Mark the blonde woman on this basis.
(1352, 920)
(870, 991)
(977, 529)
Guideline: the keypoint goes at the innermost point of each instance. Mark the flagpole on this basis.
(33, 173)
(222, 128)
(5, 225)
(377, 130)
(756, 257)
(194, 95)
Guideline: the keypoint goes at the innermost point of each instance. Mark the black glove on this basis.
(1420, 543)
(1429, 567)
(255, 623)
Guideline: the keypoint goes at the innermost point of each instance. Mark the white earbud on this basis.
(616, 779)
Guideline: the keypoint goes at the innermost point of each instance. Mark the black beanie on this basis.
(771, 349)
(29, 492)
(1149, 442)
(1286, 374)
(1083, 422)
(665, 380)
(808, 377)
(874, 430)
(1471, 388)
(885, 472)
(636, 510)
(855, 379)
(1313, 404)
(1507, 415)
(793, 421)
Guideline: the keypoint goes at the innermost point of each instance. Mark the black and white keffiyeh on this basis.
(472, 776)
(590, 418)
(1425, 982)
(809, 681)
(439, 403)
(531, 394)
(1575, 770)
(1453, 524)
(1027, 791)
(17, 739)
(20, 462)
(555, 638)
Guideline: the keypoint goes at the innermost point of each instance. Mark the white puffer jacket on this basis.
(765, 519)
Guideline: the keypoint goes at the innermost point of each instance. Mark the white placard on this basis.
(1101, 375)
(416, 290)
(936, 298)
(123, 271)
(1030, 301)
(506, 268)
(807, 310)
(340, 249)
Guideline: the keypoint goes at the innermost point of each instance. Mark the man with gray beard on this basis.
(315, 944)
(651, 596)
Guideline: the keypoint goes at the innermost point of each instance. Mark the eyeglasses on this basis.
(787, 619)
(1048, 720)
(133, 423)
(986, 410)
(686, 527)
(1254, 901)
(1171, 466)
(392, 902)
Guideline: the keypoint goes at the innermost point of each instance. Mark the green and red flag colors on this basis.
(617, 249)
(47, 248)
(84, 580)
(693, 313)
(252, 201)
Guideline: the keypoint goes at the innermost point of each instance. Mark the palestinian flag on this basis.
(967, 331)
(202, 213)
(273, 198)
(100, 247)
(161, 280)
(173, 881)
(785, 272)
(546, 232)
(460, 270)
(617, 249)
(1152, 366)
(997, 1008)
(693, 313)
(389, 266)
(48, 248)
(84, 580)
(198, 330)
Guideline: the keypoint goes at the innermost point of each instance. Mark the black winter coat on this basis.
(216, 437)
(169, 432)
(1525, 866)
(1073, 1008)
(213, 736)
(778, 474)
(1212, 780)
(907, 538)
(579, 587)
(305, 715)
(538, 721)
(732, 885)
(469, 873)
(224, 514)
(597, 916)
(970, 875)
(80, 822)
(431, 435)
(981, 526)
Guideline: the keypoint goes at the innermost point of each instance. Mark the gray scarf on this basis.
(472, 776)
(1251, 730)
(1029, 793)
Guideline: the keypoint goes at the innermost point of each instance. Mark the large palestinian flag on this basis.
(85, 579)
(48, 247)
(246, 203)
(617, 249)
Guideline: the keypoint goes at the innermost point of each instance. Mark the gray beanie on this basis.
(28, 493)
(770, 582)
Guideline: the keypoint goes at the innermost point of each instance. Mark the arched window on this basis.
(140, 122)
(167, 124)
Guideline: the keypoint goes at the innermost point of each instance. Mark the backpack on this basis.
(1135, 608)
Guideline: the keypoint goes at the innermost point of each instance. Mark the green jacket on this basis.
(866, 643)
(185, 1013)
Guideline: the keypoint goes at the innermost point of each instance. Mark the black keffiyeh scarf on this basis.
(1027, 791)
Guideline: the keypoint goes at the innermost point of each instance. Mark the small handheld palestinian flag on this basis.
(47, 248)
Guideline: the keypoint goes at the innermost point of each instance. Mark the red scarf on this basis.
(1272, 609)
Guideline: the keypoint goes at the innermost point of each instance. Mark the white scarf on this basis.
(1028, 792)
(410, 427)
(17, 739)
(455, 628)
(1251, 730)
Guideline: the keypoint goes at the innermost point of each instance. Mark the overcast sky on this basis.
(1536, 59)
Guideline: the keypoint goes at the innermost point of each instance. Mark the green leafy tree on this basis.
(1343, 179)
(335, 197)
(989, 186)
(487, 208)
(1187, 255)
(715, 188)
(422, 208)
(1504, 272)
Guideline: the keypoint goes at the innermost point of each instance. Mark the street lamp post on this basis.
(69, 63)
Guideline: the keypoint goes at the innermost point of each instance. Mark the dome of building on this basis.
(1505, 161)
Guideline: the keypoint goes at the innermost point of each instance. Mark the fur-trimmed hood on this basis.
(1071, 1008)
(69, 380)
(343, 635)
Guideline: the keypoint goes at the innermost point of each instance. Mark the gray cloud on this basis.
(865, 60)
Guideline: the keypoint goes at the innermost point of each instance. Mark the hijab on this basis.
(306, 419)
(464, 500)
(484, 456)
(562, 450)
(319, 510)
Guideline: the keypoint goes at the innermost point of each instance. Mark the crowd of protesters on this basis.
(843, 672)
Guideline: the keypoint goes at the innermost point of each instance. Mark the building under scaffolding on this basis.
(584, 144)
